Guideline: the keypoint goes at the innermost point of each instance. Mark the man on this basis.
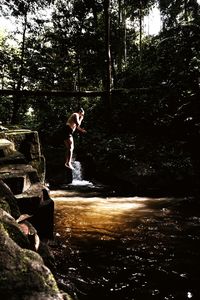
(72, 124)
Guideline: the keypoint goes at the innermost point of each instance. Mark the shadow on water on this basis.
(124, 248)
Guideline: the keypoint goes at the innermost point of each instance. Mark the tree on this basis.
(21, 10)
(176, 12)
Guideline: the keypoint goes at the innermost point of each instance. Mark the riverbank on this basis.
(26, 221)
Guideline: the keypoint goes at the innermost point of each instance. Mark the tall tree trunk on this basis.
(79, 72)
(185, 10)
(17, 99)
(19, 84)
(2, 78)
(140, 39)
(122, 35)
(124, 29)
(120, 54)
(140, 28)
(78, 78)
(108, 54)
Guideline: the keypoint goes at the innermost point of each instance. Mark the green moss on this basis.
(24, 274)
(16, 234)
(12, 207)
(31, 255)
(51, 279)
(4, 205)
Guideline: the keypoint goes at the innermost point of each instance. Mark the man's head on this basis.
(81, 111)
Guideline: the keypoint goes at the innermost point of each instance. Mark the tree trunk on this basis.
(140, 25)
(108, 54)
(122, 35)
(124, 29)
(78, 78)
(185, 10)
(17, 99)
(140, 40)
(119, 60)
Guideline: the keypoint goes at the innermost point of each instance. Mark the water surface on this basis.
(126, 248)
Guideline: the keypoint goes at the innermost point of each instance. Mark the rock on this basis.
(7, 195)
(27, 143)
(18, 177)
(26, 214)
(23, 275)
(31, 196)
(6, 147)
(30, 232)
(13, 230)
(57, 174)
(2, 128)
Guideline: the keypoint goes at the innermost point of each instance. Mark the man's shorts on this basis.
(68, 132)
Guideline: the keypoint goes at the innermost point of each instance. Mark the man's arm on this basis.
(77, 119)
(81, 129)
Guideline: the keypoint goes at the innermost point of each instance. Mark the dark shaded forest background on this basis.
(143, 108)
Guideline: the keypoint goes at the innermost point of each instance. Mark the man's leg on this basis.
(69, 143)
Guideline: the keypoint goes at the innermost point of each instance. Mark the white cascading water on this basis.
(77, 175)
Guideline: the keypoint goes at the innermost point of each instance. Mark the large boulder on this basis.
(27, 143)
(23, 275)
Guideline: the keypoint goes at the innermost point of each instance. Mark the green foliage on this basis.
(67, 52)
(177, 12)
(19, 8)
(152, 121)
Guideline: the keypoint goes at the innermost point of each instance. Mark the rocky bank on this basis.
(26, 220)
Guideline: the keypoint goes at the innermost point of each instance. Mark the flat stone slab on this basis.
(26, 141)
(18, 177)
(14, 158)
(6, 147)
(15, 169)
(33, 200)
(35, 190)
(34, 197)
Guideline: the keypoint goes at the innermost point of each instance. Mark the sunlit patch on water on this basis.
(94, 217)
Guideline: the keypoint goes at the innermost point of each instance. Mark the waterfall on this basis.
(77, 172)
(78, 176)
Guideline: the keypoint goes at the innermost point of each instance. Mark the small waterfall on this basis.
(77, 172)
(78, 176)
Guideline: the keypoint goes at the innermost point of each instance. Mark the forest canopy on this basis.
(140, 92)
(141, 81)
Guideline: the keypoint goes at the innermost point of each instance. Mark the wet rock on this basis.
(7, 196)
(24, 202)
(57, 174)
(27, 143)
(13, 230)
(23, 274)
(6, 147)
(18, 177)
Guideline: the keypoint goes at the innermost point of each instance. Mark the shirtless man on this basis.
(72, 124)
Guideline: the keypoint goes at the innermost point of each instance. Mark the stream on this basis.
(110, 246)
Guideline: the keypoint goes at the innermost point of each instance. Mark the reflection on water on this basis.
(86, 217)
(127, 248)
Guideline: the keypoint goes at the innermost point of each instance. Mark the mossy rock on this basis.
(7, 195)
(4, 205)
(23, 274)
(13, 230)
